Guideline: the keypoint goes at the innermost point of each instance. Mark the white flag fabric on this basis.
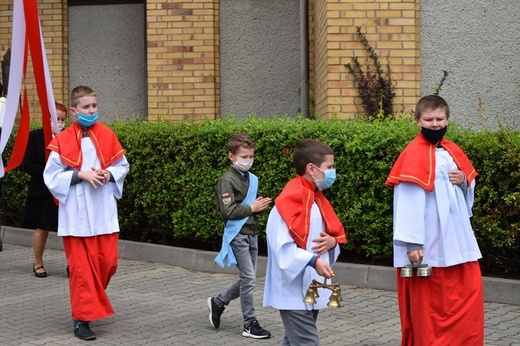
(18, 54)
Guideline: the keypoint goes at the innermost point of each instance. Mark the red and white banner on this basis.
(26, 37)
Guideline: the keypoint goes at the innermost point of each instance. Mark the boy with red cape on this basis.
(303, 238)
(85, 173)
(434, 184)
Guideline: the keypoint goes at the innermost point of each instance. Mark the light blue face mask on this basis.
(87, 120)
(327, 181)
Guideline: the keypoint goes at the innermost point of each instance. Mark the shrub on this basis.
(375, 86)
(169, 191)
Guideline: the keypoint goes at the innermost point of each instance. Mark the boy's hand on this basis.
(106, 174)
(323, 268)
(456, 177)
(416, 256)
(260, 204)
(93, 177)
(324, 243)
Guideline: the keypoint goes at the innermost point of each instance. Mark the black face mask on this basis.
(434, 136)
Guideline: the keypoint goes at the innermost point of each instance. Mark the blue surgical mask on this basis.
(327, 181)
(87, 120)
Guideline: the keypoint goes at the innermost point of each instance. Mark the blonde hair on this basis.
(79, 92)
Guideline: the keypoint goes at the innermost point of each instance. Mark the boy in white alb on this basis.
(434, 185)
(85, 173)
(303, 237)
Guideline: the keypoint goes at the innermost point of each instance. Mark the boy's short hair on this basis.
(79, 92)
(309, 151)
(240, 140)
(431, 102)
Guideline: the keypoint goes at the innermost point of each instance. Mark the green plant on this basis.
(168, 195)
(375, 86)
(437, 89)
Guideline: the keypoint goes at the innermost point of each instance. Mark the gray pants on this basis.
(300, 327)
(245, 249)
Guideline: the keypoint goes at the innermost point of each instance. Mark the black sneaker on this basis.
(214, 312)
(83, 332)
(255, 331)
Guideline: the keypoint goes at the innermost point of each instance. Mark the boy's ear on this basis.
(309, 169)
(230, 155)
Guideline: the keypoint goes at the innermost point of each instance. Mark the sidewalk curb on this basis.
(496, 290)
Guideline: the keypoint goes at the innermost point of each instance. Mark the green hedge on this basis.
(174, 166)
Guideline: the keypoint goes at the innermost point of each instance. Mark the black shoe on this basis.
(38, 274)
(83, 332)
(255, 331)
(214, 312)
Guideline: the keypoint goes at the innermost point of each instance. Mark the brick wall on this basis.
(393, 29)
(182, 39)
(6, 26)
(183, 53)
(320, 62)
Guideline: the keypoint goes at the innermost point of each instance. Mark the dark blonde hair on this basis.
(309, 151)
(79, 92)
(240, 140)
(431, 102)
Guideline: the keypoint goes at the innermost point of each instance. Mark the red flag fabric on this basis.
(20, 143)
(22, 137)
(34, 42)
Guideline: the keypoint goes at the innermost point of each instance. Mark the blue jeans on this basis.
(245, 249)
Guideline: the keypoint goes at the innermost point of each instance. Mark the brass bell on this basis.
(339, 294)
(334, 299)
(309, 297)
(315, 289)
(424, 270)
(407, 271)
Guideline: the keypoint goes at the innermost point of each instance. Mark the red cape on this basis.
(68, 145)
(416, 164)
(294, 205)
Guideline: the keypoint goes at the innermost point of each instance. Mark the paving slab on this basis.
(164, 304)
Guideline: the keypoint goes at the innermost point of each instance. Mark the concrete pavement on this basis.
(164, 304)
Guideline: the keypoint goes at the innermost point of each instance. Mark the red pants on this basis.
(445, 309)
(92, 262)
